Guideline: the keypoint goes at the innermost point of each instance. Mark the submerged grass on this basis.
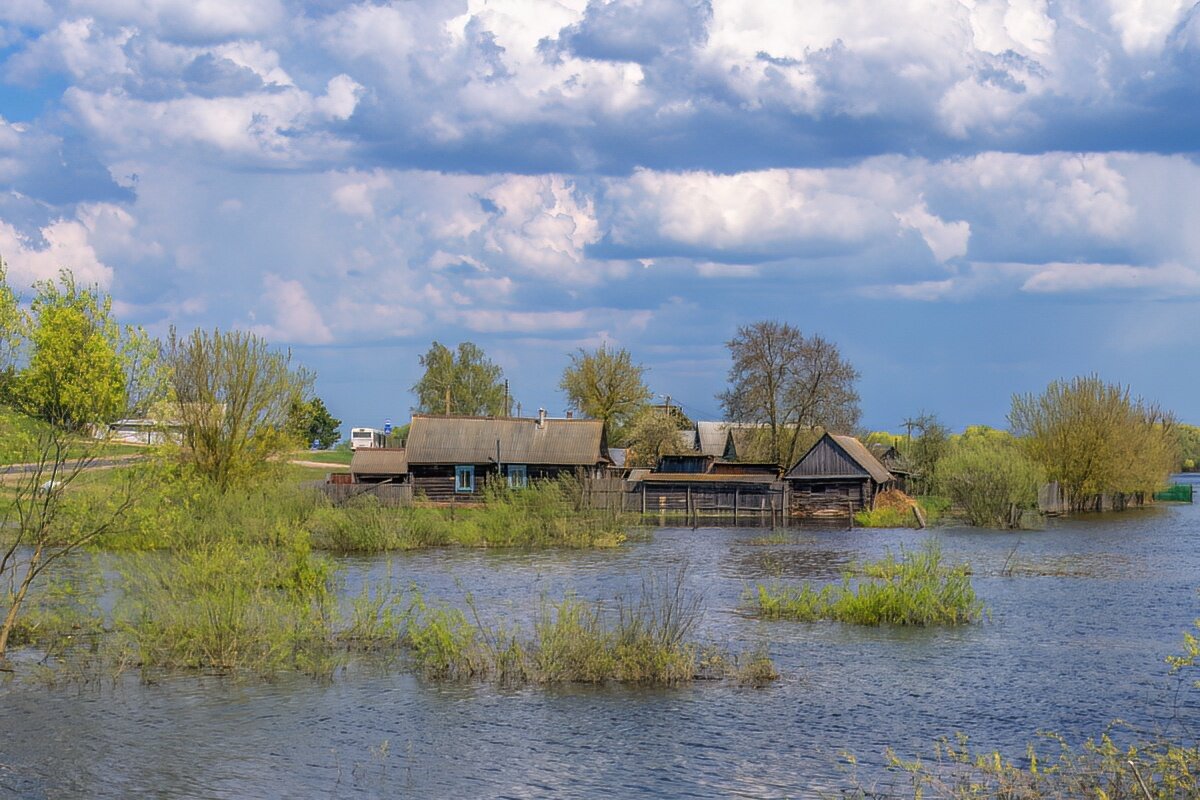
(646, 642)
(1158, 770)
(917, 589)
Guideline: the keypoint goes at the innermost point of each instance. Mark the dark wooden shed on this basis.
(452, 458)
(837, 477)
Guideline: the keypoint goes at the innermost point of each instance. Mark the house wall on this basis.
(831, 499)
(436, 482)
(683, 498)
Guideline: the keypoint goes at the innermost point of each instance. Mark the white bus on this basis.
(367, 437)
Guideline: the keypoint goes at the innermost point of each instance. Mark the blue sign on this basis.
(387, 427)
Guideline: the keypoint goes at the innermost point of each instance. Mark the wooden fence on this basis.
(704, 501)
(388, 494)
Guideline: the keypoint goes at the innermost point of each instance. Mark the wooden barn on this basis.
(452, 458)
(837, 477)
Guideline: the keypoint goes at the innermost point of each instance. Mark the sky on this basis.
(972, 198)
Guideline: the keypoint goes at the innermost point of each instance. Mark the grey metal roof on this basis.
(473, 440)
(379, 461)
(711, 436)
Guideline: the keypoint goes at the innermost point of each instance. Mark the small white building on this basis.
(145, 431)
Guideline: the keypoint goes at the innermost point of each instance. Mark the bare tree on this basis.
(791, 384)
(42, 535)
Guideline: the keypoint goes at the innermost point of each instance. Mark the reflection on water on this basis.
(1082, 615)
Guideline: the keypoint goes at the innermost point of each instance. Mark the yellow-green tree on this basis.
(606, 384)
(1094, 438)
(461, 381)
(75, 375)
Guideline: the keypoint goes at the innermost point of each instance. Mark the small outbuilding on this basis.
(452, 458)
(837, 477)
(379, 465)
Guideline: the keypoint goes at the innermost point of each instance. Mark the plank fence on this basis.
(389, 494)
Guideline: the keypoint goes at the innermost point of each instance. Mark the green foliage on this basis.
(651, 435)
(311, 421)
(917, 589)
(990, 479)
(1093, 438)
(791, 383)
(467, 381)
(233, 394)
(607, 385)
(76, 372)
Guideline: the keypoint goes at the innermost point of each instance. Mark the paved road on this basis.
(99, 463)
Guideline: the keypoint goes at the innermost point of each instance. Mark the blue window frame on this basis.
(518, 476)
(464, 479)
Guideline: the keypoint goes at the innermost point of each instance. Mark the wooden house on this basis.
(837, 477)
(452, 458)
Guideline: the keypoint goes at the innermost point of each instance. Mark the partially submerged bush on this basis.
(917, 589)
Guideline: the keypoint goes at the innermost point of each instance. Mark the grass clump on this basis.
(917, 589)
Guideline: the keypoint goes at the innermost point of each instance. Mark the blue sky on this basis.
(971, 197)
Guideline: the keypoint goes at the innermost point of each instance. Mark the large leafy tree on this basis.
(605, 384)
(312, 422)
(76, 369)
(791, 384)
(462, 381)
(234, 395)
(1094, 437)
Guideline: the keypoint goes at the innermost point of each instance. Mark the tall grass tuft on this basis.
(916, 589)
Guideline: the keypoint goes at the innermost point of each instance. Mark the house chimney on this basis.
(570, 415)
(541, 417)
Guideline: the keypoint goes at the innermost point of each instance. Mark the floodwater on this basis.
(1082, 616)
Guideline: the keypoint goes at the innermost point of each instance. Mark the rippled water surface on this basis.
(1082, 616)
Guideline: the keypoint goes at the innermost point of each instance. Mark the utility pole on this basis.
(506, 410)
